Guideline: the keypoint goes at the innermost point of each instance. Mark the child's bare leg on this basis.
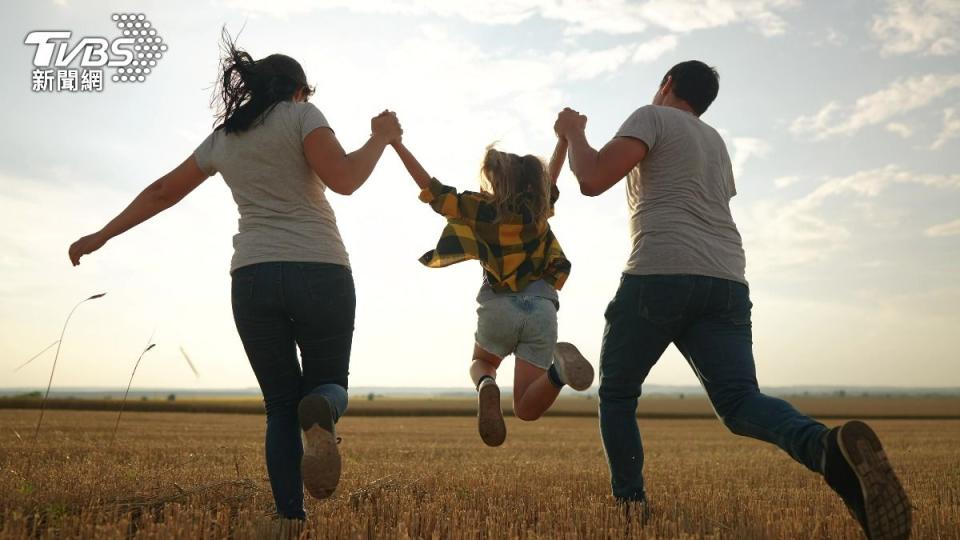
(533, 391)
(484, 365)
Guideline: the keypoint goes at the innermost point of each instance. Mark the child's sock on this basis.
(554, 376)
(481, 380)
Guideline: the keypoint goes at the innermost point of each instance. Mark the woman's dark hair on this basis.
(694, 82)
(248, 89)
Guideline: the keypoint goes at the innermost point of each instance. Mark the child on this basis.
(505, 228)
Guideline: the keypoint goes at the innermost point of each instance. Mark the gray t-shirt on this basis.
(679, 198)
(284, 214)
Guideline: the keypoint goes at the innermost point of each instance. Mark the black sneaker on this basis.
(320, 466)
(856, 467)
(493, 430)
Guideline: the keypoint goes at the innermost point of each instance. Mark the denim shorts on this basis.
(523, 325)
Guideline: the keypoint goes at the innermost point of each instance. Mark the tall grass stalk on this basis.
(127, 391)
(189, 362)
(34, 357)
(43, 404)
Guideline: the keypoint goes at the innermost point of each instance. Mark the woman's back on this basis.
(284, 212)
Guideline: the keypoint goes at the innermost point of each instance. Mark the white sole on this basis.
(573, 366)
(321, 463)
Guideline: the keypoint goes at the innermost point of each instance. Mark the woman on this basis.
(291, 280)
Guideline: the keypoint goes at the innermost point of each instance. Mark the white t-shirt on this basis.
(679, 198)
(284, 214)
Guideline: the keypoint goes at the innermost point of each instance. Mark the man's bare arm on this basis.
(598, 171)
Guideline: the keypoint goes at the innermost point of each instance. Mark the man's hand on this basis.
(568, 121)
(386, 126)
(85, 246)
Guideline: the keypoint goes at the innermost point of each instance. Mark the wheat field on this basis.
(179, 475)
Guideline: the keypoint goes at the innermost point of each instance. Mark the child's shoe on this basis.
(493, 430)
(573, 368)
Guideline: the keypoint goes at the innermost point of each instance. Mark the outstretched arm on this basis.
(417, 172)
(597, 171)
(157, 197)
(342, 172)
(557, 159)
(443, 199)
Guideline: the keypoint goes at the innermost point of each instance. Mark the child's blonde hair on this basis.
(504, 177)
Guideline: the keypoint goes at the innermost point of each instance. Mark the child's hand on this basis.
(386, 126)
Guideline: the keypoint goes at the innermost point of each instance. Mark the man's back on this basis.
(679, 195)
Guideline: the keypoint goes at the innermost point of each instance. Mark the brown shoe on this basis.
(493, 430)
(858, 470)
(320, 465)
(574, 369)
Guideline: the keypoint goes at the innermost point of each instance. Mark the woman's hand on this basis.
(567, 121)
(386, 127)
(85, 246)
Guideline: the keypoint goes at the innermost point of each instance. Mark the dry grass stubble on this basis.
(173, 475)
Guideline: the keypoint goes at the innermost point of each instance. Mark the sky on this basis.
(842, 119)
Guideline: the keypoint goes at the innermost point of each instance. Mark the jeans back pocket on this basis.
(664, 299)
(739, 306)
(241, 284)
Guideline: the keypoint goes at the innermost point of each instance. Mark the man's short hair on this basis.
(694, 82)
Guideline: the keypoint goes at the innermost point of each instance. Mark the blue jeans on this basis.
(708, 319)
(278, 307)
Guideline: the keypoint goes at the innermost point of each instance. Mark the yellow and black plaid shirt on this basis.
(514, 250)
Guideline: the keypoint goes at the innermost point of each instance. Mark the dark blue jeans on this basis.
(708, 319)
(278, 307)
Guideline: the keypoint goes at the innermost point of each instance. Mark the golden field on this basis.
(654, 406)
(177, 475)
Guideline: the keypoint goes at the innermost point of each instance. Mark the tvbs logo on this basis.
(61, 67)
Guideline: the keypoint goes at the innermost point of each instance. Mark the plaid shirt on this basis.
(514, 251)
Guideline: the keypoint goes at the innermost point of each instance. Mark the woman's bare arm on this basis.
(342, 172)
(165, 192)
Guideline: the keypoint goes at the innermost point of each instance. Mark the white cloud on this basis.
(745, 148)
(784, 235)
(588, 64)
(281, 9)
(951, 228)
(872, 183)
(689, 15)
(901, 96)
(785, 181)
(900, 129)
(815, 123)
(831, 37)
(615, 17)
(928, 27)
(655, 48)
(951, 128)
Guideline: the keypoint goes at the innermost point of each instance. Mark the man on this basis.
(684, 284)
